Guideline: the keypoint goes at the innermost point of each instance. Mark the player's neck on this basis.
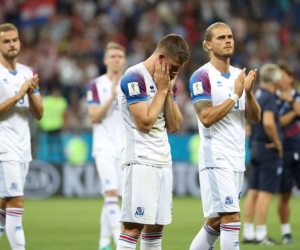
(113, 76)
(11, 65)
(150, 65)
(221, 65)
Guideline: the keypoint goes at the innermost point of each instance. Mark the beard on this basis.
(11, 55)
(223, 54)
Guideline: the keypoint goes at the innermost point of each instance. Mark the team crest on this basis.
(139, 212)
(228, 200)
(197, 88)
(133, 88)
(14, 186)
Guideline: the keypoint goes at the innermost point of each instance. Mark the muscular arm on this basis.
(253, 111)
(145, 116)
(287, 118)
(36, 106)
(8, 104)
(172, 114)
(97, 112)
(209, 114)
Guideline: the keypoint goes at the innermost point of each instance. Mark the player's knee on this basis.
(284, 197)
(17, 202)
(111, 193)
(230, 217)
(133, 229)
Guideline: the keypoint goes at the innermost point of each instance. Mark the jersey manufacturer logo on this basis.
(5, 81)
(152, 90)
(133, 88)
(139, 211)
(197, 88)
(219, 83)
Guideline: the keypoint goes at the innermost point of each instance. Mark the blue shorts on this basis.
(266, 175)
(291, 170)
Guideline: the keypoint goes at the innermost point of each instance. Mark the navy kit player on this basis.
(108, 138)
(266, 158)
(19, 97)
(149, 109)
(288, 101)
(223, 99)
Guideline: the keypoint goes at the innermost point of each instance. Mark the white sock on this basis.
(112, 210)
(229, 238)
(14, 229)
(151, 241)
(205, 239)
(261, 232)
(248, 232)
(126, 242)
(2, 222)
(285, 228)
(105, 232)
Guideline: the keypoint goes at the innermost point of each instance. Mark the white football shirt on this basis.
(15, 138)
(108, 134)
(223, 144)
(152, 148)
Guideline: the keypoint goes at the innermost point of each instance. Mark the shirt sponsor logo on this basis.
(139, 211)
(228, 200)
(133, 88)
(198, 88)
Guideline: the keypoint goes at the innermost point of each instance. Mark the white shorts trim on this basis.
(12, 178)
(147, 195)
(109, 171)
(220, 190)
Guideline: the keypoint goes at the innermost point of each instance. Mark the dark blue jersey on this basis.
(259, 138)
(291, 132)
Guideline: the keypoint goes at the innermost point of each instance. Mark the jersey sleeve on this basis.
(134, 88)
(92, 95)
(199, 86)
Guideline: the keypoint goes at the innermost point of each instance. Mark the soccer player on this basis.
(223, 99)
(149, 110)
(108, 139)
(266, 158)
(19, 97)
(289, 110)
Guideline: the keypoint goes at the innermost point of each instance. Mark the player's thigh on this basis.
(220, 191)
(288, 174)
(12, 178)
(270, 174)
(107, 171)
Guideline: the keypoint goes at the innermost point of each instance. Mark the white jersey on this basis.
(15, 138)
(108, 134)
(151, 148)
(223, 144)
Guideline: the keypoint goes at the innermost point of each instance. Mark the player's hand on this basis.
(249, 81)
(162, 76)
(34, 83)
(239, 83)
(277, 146)
(172, 82)
(114, 86)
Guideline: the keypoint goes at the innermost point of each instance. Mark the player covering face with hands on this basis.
(19, 97)
(149, 109)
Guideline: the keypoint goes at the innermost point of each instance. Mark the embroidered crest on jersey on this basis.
(133, 88)
(139, 211)
(14, 186)
(89, 95)
(197, 88)
(228, 200)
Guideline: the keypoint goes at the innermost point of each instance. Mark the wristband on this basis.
(234, 97)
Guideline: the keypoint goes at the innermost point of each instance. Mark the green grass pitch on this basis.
(73, 224)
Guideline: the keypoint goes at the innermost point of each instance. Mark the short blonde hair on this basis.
(270, 73)
(113, 45)
(7, 27)
(208, 33)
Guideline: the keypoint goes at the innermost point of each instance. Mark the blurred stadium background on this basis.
(63, 40)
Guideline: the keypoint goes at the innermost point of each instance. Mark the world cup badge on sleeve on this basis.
(197, 88)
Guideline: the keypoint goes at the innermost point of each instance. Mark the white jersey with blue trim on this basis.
(152, 148)
(15, 141)
(108, 134)
(223, 144)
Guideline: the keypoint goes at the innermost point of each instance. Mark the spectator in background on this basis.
(108, 139)
(266, 153)
(52, 124)
(288, 100)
